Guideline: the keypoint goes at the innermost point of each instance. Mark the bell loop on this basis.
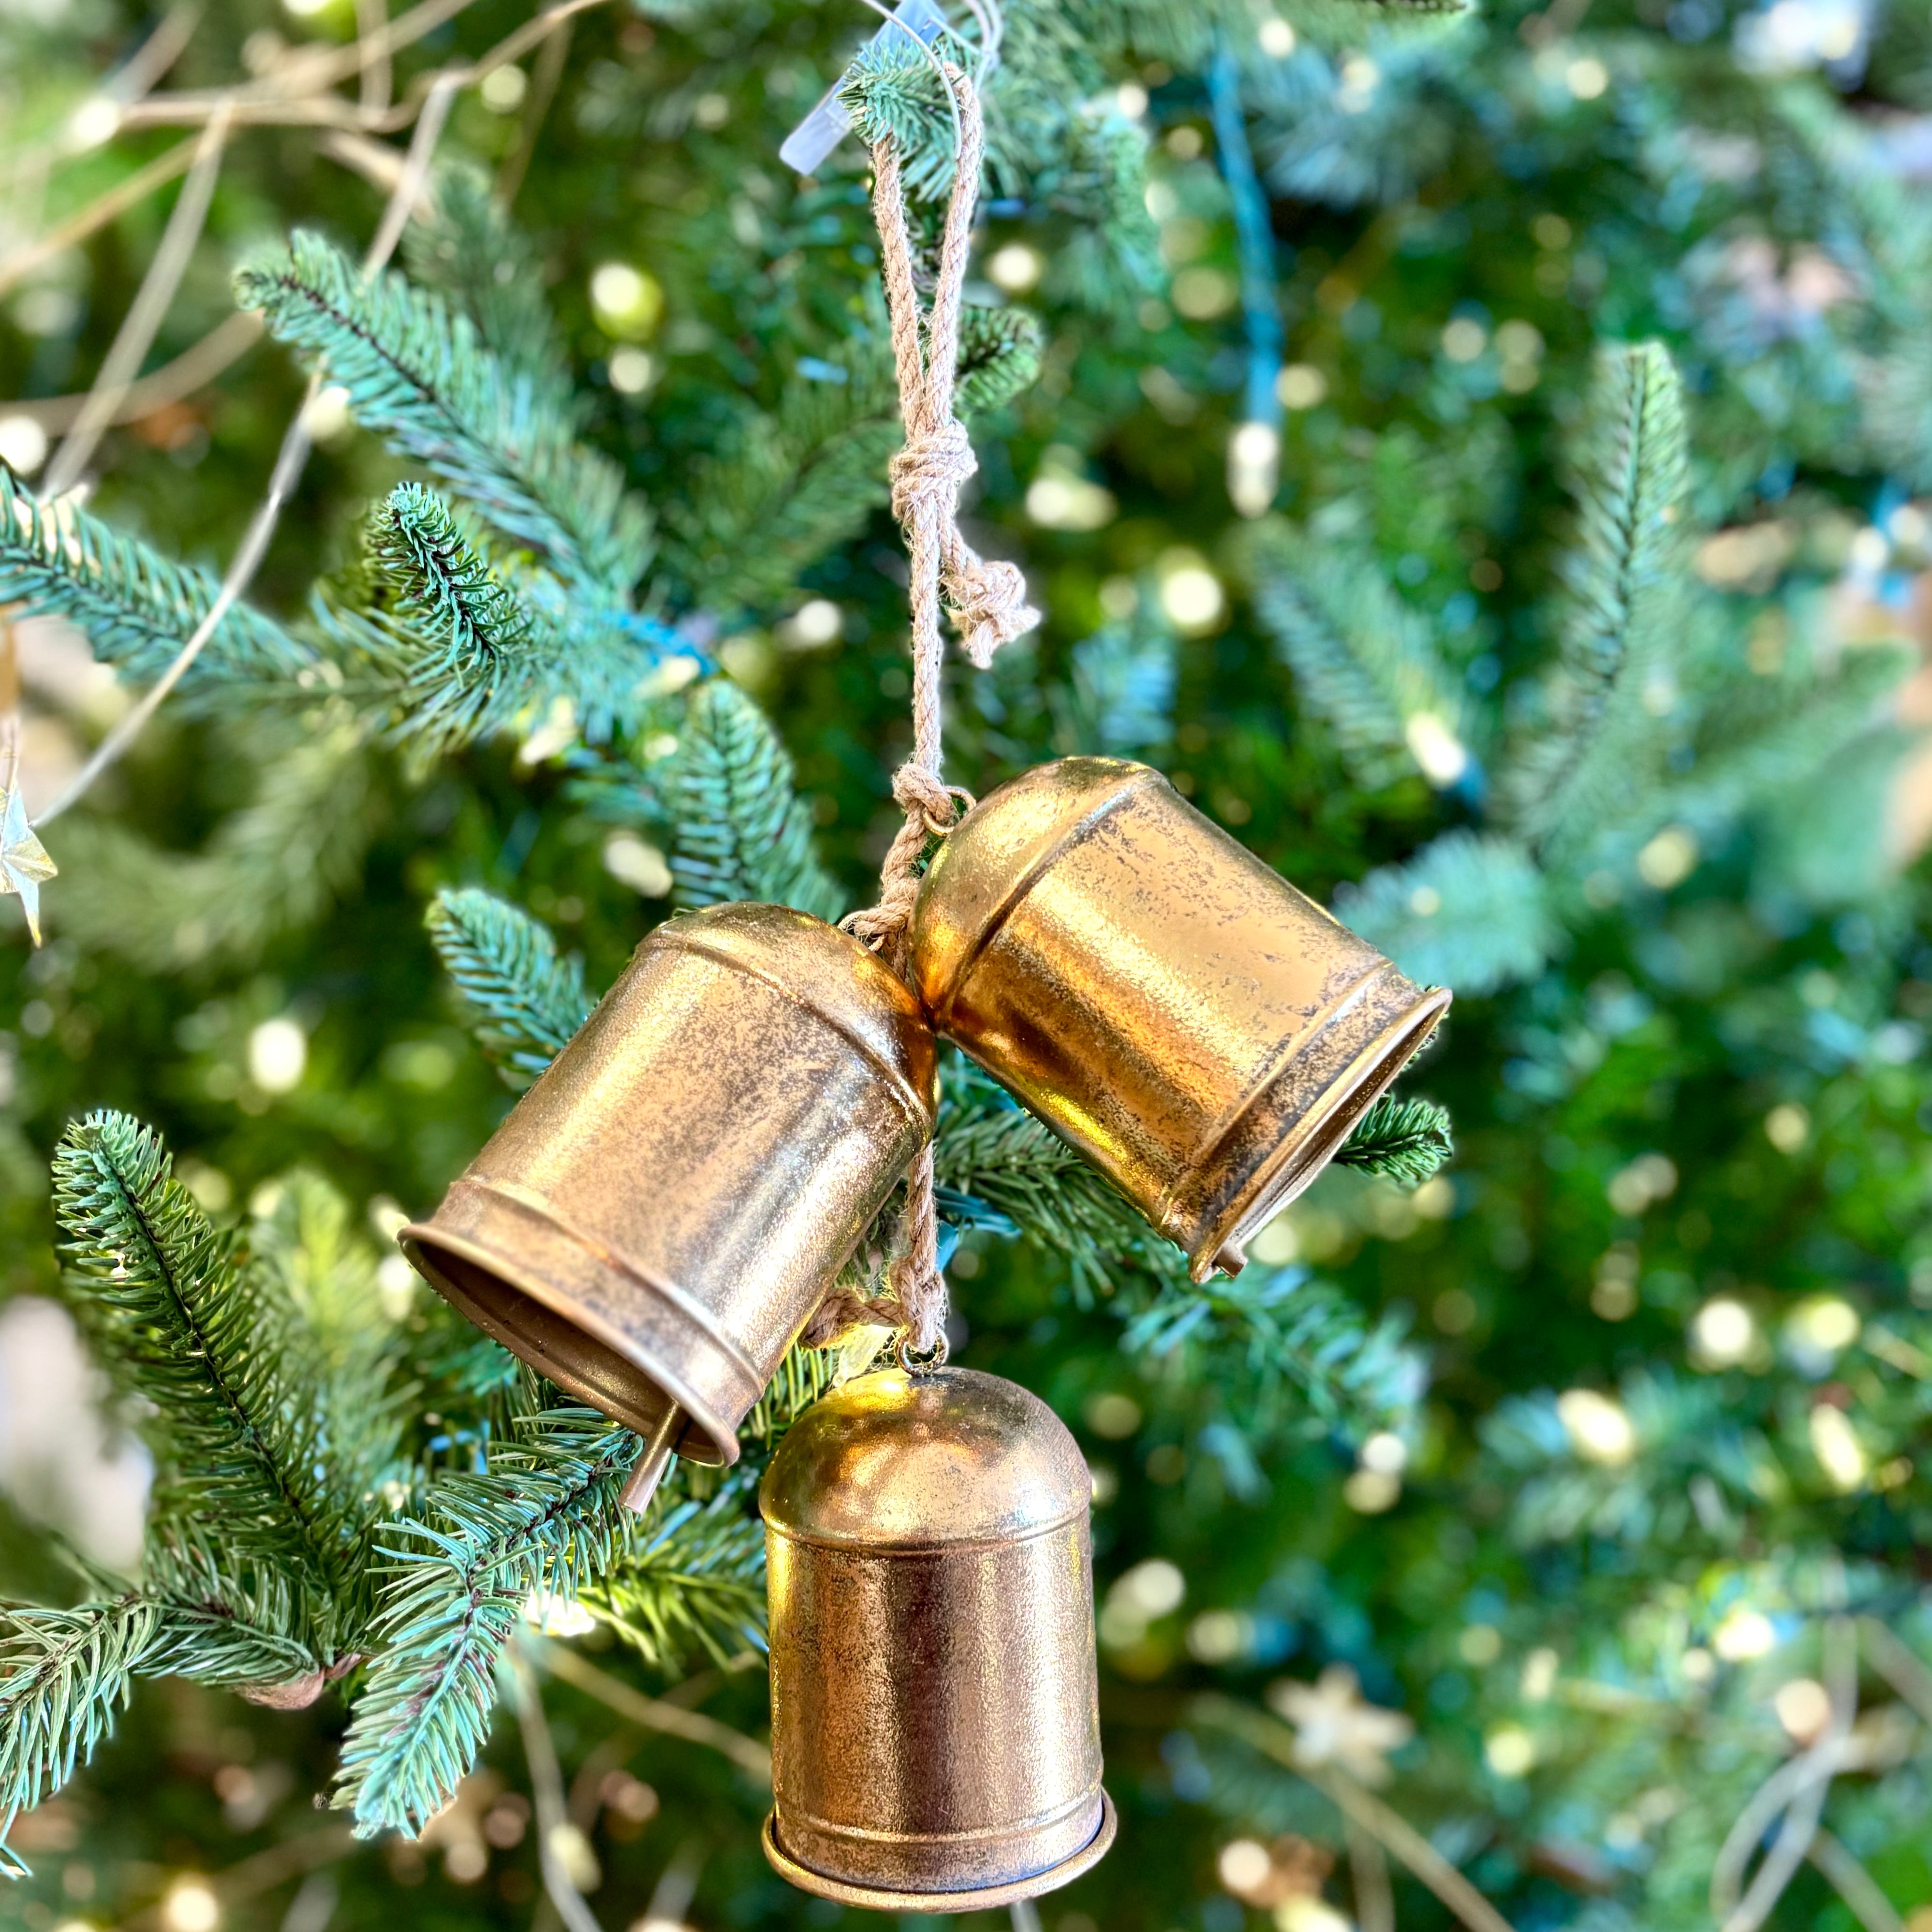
(915, 1363)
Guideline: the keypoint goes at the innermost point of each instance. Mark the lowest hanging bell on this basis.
(935, 1720)
(1203, 1033)
(663, 1211)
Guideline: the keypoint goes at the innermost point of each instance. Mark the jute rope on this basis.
(986, 599)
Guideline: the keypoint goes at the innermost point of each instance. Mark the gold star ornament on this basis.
(25, 866)
(1335, 1724)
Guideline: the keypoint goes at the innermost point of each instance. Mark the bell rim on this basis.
(1288, 1171)
(879, 1899)
(419, 1235)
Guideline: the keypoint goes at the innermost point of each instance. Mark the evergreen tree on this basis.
(1473, 453)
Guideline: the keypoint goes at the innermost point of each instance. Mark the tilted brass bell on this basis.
(1203, 1033)
(935, 1721)
(661, 1213)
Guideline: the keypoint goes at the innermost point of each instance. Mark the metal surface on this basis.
(663, 1211)
(935, 1723)
(878, 1899)
(654, 1460)
(1203, 1033)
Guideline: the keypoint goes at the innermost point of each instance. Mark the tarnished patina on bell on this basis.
(1202, 1032)
(935, 1723)
(663, 1211)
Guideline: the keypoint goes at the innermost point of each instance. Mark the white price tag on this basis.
(807, 145)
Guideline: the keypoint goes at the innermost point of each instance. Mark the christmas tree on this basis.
(1473, 453)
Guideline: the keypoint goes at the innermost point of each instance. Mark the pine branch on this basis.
(1283, 1329)
(240, 1627)
(697, 1586)
(1321, 146)
(137, 608)
(1120, 699)
(1623, 618)
(1099, 186)
(1761, 736)
(1406, 1141)
(1469, 911)
(451, 677)
(1681, 1428)
(310, 1243)
(62, 1674)
(544, 1515)
(893, 93)
(1001, 1158)
(741, 833)
(461, 1371)
(777, 489)
(418, 375)
(999, 351)
(167, 1301)
(481, 261)
(1363, 660)
(468, 655)
(525, 1003)
(275, 865)
(802, 1377)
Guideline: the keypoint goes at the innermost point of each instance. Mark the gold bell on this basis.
(1203, 1033)
(661, 1214)
(935, 1720)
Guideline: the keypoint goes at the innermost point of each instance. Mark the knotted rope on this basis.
(986, 599)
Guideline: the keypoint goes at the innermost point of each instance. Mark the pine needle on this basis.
(741, 832)
(418, 374)
(1406, 1141)
(525, 1002)
(697, 1586)
(167, 1300)
(1364, 661)
(467, 653)
(137, 608)
(241, 1627)
(545, 1514)
(1597, 743)
(1271, 1330)
(63, 1674)
(1471, 910)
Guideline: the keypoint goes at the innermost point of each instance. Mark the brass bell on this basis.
(1204, 1033)
(935, 1720)
(663, 1211)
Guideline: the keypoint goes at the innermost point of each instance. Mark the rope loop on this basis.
(936, 804)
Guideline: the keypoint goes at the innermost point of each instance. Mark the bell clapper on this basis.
(651, 1464)
(1232, 1258)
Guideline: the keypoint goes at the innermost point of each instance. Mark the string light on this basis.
(1598, 1428)
(190, 1906)
(1744, 1636)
